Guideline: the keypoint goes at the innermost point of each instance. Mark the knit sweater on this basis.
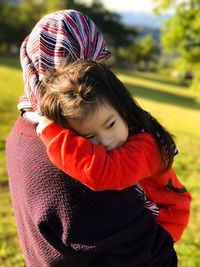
(136, 161)
(61, 222)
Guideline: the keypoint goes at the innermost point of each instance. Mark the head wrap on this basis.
(56, 36)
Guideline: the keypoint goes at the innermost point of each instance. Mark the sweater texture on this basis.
(61, 222)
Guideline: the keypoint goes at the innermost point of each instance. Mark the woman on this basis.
(65, 223)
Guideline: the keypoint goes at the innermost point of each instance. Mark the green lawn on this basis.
(174, 105)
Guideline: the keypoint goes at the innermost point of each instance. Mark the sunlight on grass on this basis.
(10, 251)
(11, 88)
(176, 107)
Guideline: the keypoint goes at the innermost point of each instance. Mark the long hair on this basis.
(78, 88)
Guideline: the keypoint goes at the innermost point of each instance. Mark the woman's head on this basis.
(82, 91)
(62, 35)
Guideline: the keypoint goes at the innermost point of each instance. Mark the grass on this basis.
(174, 105)
(11, 87)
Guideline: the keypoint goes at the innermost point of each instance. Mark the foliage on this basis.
(181, 34)
(20, 19)
(164, 5)
(11, 24)
(176, 107)
(145, 51)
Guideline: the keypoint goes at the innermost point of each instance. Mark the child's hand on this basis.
(43, 123)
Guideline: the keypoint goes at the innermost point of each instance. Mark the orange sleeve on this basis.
(175, 216)
(173, 201)
(99, 170)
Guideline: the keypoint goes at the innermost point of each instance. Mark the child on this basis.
(125, 144)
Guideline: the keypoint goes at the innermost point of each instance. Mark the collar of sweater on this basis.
(31, 116)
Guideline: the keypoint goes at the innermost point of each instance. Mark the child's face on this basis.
(103, 127)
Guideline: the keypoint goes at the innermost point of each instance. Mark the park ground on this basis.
(173, 104)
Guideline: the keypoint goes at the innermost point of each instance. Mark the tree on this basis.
(115, 32)
(51, 6)
(12, 24)
(144, 52)
(20, 19)
(17, 20)
(181, 34)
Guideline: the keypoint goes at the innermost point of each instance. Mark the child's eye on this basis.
(90, 137)
(111, 125)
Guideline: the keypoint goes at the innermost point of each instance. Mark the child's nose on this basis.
(105, 141)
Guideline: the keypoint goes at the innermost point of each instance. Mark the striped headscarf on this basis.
(56, 36)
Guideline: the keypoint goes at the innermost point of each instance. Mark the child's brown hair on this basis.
(78, 88)
(73, 91)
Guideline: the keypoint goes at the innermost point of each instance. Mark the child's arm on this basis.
(173, 201)
(120, 168)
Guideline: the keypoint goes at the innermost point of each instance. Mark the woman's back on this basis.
(63, 223)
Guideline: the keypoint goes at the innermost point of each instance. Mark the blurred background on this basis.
(155, 46)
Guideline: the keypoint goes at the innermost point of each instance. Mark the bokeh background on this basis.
(155, 49)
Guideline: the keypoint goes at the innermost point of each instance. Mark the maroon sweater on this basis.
(61, 222)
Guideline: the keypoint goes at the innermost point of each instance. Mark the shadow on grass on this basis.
(4, 184)
(2, 145)
(162, 96)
